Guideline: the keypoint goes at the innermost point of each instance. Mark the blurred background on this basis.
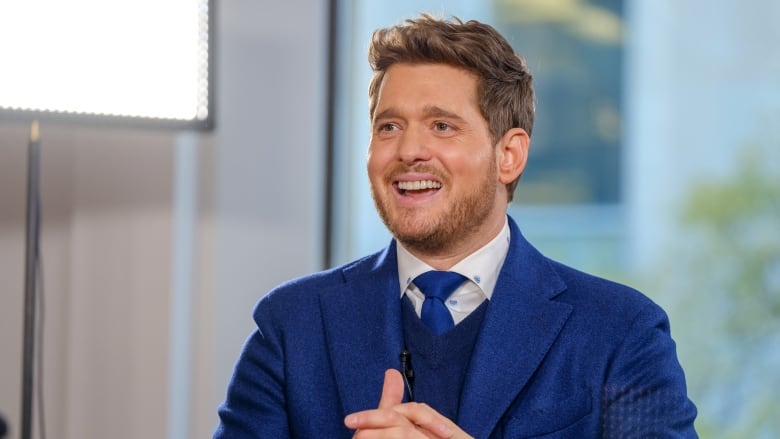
(655, 161)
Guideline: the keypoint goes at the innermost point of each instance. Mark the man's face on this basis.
(431, 161)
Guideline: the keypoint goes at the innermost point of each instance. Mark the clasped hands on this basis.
(394, 419)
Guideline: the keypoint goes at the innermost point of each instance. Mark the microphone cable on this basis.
(407, 372)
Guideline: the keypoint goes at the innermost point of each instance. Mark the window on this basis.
(574, 53)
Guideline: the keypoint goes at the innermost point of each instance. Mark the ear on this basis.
(512, 154)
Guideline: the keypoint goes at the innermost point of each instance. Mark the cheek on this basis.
(378, 158)
(374, 164)
(469, 164)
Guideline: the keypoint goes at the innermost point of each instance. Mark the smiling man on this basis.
(436, 173)
(459, 328)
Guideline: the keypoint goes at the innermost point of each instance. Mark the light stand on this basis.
(30, 280)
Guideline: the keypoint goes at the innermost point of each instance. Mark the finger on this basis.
(392, 389)
(383, 416)
(392, 433)
(375, 419)
(430, 421)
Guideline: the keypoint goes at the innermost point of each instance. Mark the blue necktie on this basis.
(437, 287)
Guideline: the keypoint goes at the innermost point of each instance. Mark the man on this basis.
(517, 346)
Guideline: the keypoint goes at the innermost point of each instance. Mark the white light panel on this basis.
(135, 58)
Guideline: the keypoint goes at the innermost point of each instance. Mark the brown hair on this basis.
(505, 92)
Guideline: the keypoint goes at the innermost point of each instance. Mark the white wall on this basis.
(106, 258)
(110, 218)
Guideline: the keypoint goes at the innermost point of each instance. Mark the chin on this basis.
(420, 233)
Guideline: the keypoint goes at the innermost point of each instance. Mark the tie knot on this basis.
(438, 284)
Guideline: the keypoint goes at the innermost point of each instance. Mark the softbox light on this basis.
(139, 61)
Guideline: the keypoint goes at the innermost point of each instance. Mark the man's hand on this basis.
(392, 419)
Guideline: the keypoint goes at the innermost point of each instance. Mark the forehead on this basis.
(438, 83)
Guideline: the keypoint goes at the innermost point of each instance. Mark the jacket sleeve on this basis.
(645, 393)
(255, 402)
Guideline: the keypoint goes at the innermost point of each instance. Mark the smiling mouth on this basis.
(404, 187)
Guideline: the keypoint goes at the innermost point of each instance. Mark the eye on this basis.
(442, 126)
(387, 127)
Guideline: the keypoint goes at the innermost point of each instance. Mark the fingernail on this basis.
(350, 421)
(444, 430)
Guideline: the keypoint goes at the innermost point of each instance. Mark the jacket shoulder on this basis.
(303, 290)
(601, 296)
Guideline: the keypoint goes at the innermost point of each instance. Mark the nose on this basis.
(412, 147)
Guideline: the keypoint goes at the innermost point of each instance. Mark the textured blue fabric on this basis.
(560, 354)
(440, 362)
(437, 287)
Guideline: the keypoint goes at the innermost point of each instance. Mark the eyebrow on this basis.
(428, 111)
(434, 111)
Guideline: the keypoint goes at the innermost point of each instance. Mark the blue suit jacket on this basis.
(560, 354)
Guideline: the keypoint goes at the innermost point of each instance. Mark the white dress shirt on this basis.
(481, 268)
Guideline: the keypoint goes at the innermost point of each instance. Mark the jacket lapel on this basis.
(362, 329)
(520, 326)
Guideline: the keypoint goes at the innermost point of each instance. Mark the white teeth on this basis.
(418, 185)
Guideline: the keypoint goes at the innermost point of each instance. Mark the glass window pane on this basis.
(574, 53)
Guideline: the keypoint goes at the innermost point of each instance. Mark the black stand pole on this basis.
(30, 279)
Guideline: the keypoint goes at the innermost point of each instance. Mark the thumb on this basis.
(392, 390)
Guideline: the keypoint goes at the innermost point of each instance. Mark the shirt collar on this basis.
(481, 267)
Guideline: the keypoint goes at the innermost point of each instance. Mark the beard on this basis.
(428, 232)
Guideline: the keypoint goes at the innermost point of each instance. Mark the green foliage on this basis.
(740, 224)
(722, 283)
